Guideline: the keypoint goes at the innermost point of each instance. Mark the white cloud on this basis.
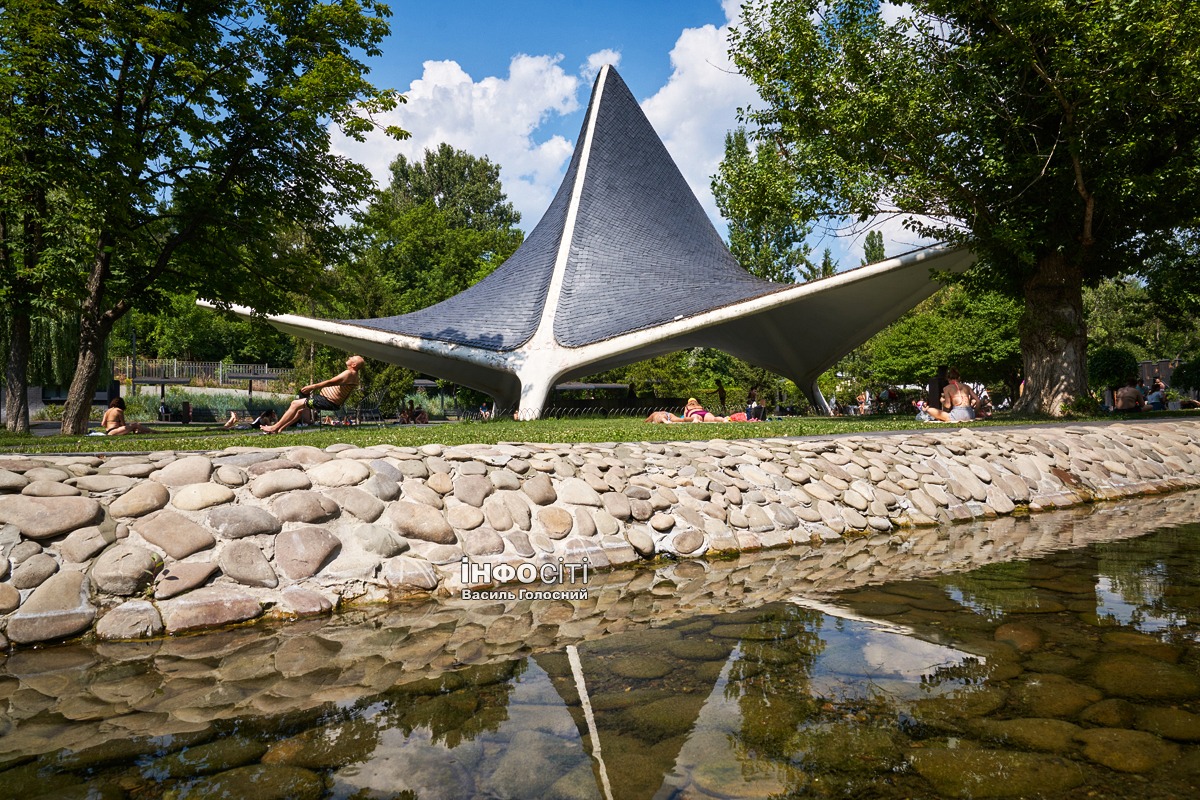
(493, 117)
(698, 105)
(500, 117)
(591, 67)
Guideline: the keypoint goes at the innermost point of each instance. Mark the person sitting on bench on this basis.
(324, 396)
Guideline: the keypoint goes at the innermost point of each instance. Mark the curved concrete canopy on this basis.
(625, 265)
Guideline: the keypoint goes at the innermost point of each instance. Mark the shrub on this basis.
(1186, 377)
(1110, 366)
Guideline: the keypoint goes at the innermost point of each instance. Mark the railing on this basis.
(206, 371)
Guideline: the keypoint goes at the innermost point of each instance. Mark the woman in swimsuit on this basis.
(114, 423)
(958, 401)
(694, 412)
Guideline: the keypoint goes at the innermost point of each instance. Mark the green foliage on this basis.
(1062, 140)
(1186, 377)
(1086, 406)
(442, 225)
(975, 331)
(189, 151)
(183, 330)
(828, 265)
(1129, 312)
(753, 192)
(1170, 274)
(1110, 366)
(873, 251)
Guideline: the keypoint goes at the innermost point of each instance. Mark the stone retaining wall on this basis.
(135, 546)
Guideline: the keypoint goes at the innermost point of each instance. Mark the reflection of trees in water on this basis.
(457, 706)
(770, 679)
(1157, 577)
(993, 590)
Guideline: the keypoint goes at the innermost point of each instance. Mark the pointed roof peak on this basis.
(623, 222)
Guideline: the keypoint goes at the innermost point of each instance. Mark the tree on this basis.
(192, 143)
(1059, 139)
(828, 265)
(765, 235)
(1129, 313)
(873, 251)
(973, 330)
(442, 224)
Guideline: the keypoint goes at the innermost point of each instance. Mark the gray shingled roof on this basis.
(642, 250)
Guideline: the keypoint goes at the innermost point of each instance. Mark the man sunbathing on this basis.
(324, 396)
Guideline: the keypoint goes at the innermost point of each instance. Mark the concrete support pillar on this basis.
(817, 399)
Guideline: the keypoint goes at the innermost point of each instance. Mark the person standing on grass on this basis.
(327, 395)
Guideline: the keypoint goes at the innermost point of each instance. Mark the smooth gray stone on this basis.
(301, 553)
(303, 602)
(231, 475)
(100, 484)
(142, 499)
(273, 465)
(33, 571)
(540, 490)
(47, 517)
(385, 469)
(307, 455)
(199, 496)
(339, 472)
(189, 469)
(385, 489)
(182, 576)
(417, 492)
(482, 542)
(473, 489)
(208, 607)
(279, 480)
(576, 491)
(244, 561)
(10, 598)
(464, 517)
(57, 609)
(12, 481)
(361, 504)
(238, 521)
(125, 569)
(556, 521)
(43, 488)
(177, 535)
(417, 521)
(133, 619)
(379, 540)
(406, 572)
(304, 506)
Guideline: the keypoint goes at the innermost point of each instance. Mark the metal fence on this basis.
(217, 372)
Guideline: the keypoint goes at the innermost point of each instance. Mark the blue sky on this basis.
(511, 81)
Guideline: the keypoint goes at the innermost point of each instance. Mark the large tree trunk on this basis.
(16, 376)
(94, 327)
(78, 407)
(1053, 337)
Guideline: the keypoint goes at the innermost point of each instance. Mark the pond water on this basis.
(1053, 656)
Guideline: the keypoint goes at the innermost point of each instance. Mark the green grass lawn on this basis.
(196, 437)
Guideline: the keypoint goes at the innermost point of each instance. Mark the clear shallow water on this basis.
(1073, 673)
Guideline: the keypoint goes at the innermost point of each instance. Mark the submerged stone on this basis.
(995, 773)
(1126, 751)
